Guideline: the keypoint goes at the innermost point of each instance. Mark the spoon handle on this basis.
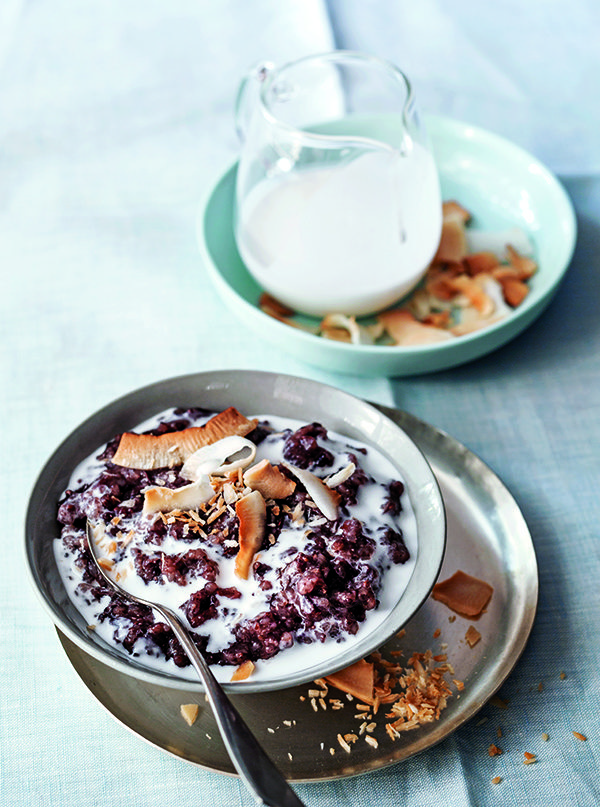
(256, 769)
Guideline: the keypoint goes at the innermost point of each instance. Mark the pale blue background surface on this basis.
(115, 118)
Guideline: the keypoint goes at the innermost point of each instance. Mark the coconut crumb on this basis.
(411, 696)
(472, 636)
(244, 671)
(189, 712)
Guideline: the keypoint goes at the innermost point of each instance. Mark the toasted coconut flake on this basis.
(230, 494)
(493, 289)
(269, 481)
(358, 680)
(341, 740)
(421, 304)
(438, 319)
(336, 335)
(327, 500)
(357, 333)
(220, 458)
(252, 514)
(405, 329)
(189, 712)
(464, 594)
(341, 476)
(189, 497)
(244, 671)
(439, 287)
(472, 636)
(470, 322)
(453, 241)
(515, 291)
(525, 266)
(474, 291)
(148, 451)
(274, 308)
(451, 209)
(473, 320)
(477, 262)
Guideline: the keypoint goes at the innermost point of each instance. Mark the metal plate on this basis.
(487, 537)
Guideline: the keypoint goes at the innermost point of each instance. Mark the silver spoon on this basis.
(256, 769)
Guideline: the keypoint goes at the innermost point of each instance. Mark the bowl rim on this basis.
(438, 355)
(41, 516)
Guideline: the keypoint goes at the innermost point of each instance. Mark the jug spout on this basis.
(247, 96)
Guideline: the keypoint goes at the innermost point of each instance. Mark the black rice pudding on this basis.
(269, 537)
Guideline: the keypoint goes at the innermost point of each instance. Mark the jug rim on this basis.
(272, 72)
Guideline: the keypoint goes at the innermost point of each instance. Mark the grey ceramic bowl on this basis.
(250, 392)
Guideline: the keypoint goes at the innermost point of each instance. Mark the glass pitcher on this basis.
(338, 204)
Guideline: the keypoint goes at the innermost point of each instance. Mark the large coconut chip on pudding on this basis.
(252, 514)
(149, 451)
(269, 481)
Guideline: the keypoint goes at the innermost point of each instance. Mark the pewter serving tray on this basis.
(487, 537)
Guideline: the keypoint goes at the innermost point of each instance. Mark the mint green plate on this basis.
(501, 184)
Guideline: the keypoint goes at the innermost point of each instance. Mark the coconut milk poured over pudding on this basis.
(276, 542)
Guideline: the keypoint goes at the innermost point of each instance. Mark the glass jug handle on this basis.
(247, 96)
